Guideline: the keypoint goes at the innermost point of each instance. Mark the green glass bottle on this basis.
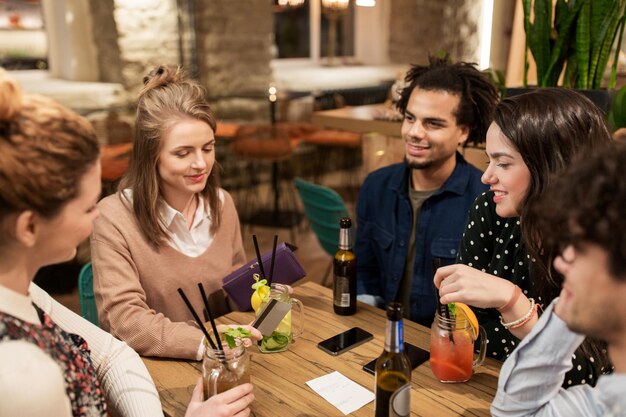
(344, 272)
(393, 369)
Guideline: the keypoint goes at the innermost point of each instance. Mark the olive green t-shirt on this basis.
(417, 198)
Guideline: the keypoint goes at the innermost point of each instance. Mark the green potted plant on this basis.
(617, 115)
(575, 44)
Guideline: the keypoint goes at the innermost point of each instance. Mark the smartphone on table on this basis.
(417, 356)
(344, 341)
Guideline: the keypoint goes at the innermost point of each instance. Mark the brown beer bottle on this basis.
(344, 272)
(393, 369)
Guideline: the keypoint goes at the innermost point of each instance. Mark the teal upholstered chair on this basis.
(85, 293)
(323, 208)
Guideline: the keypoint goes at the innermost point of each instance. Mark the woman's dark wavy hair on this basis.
(167, 98)
(550, 127)
(477, 94)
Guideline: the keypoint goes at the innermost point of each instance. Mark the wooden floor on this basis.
(310, 254)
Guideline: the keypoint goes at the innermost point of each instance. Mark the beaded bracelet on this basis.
(522, 320)
(517, 291)
(532, 314)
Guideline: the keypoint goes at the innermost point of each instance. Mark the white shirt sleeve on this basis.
(33, 382)
(531, 378)
(124, 378)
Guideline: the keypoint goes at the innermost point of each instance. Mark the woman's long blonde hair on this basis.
(167, 98)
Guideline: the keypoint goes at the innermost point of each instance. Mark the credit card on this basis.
(271, 316)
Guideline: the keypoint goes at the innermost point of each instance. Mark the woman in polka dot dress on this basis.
(502, 271)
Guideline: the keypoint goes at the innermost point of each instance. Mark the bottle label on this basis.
(341, 294)
(400, 402)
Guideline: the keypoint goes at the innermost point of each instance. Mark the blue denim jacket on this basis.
(384, 221)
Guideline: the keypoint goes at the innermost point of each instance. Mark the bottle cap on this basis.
(394, 311)
(345, 223)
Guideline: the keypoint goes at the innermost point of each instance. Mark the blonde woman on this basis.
(169, 226)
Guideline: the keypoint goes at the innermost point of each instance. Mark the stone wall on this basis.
(231, 42)
(234, 40)
(147, 35)
(105, 38)
(420, 27)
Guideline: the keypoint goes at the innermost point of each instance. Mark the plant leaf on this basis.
(543, 22)
(583, 44)
(618, 48)
(581, 39)
(604, 38)
(617, 114)
(538, 33)
(565, 28)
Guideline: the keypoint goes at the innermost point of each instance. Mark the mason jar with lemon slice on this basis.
(284, 334)
(452, 340)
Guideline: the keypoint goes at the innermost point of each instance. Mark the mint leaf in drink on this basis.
(232, 334)
(452, 309)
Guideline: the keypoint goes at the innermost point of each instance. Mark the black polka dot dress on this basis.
(493, 244)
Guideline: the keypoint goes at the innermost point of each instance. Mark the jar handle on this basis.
(212, 389)
(483, 347)
(300, 307)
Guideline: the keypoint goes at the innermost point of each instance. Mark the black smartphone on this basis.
(347, 340)
(417, 356)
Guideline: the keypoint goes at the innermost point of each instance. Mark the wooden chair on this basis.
(340, 150)
(269, 146)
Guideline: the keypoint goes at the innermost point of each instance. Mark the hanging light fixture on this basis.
(366, 3)
(333, 10)
(336, 5)
(290, 3)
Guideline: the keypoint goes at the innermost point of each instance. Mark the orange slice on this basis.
(464, 310)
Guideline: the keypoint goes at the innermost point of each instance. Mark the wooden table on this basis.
(279, 378)
(357, 119)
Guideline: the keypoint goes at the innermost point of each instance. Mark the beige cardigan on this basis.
(136, 286)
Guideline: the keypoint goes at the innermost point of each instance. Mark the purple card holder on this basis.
(287, 270)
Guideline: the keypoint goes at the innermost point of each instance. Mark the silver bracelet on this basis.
(522, 319)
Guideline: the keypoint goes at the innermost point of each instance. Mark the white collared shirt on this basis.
(193, 241)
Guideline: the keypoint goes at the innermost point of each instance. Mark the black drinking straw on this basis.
(197, 318)
(258, 256)
(442, 308)
(269, 280)
(208, 309)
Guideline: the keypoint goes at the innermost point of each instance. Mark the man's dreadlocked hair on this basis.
(477, 94)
